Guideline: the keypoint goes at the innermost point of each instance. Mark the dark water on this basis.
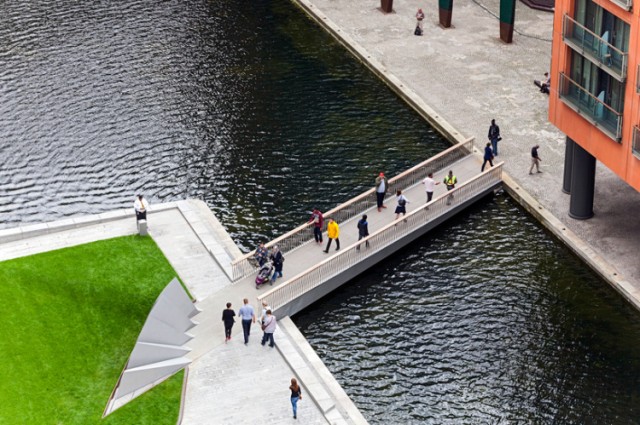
(487, 320)
(253, 109)
(250, 108)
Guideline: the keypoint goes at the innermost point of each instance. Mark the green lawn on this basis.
(68, 322)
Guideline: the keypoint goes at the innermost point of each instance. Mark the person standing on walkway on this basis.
(269, 327)
(228, 318)
(248, 316)
(261, 254)
(333, 232)
(494, 136)
(318, 220)
(419, 18)
(363, 231)
(277, 259)
(429, 186)
(450, 181)
(488, 156)
(535, 159)
(401, 208)
(141, 206)
(263, 315)
(296, 395)
(382, 185)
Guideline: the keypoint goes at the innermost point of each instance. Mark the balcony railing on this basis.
(595, 110)
(584, 41)
(303, 234)
(635, 146)
(625, 4)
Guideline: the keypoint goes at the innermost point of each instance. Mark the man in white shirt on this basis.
(429, 186)
(141, 206)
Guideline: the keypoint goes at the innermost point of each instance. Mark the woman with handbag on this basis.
(296, 395)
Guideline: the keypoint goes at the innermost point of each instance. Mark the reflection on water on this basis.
(487, 320)
(252, 109)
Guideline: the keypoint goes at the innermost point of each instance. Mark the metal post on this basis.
(445, 9)
(386, 6)
(568, 165)
(583, 178)
(507, 18)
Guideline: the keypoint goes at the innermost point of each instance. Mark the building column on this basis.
(568, 165)
(583, 179)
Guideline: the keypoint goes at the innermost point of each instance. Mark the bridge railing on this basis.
(349, 256)
(303, 234)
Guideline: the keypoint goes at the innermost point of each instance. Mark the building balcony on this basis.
(591, 108)
(595, 48)
(635, 146)
(625, 4)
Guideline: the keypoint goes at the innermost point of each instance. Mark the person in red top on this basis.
(318, 220)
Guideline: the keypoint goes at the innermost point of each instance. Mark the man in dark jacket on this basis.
(488, 156)
(363, 231)
(494, 136)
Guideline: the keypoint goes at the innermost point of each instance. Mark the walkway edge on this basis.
(320, 383)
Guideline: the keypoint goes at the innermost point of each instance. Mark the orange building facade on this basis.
(595, 92)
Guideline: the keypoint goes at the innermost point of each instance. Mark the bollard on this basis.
(142, 228)
(386, 6)
(445, 9)
(507, 18)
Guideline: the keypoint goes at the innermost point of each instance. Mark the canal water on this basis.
(255, 110)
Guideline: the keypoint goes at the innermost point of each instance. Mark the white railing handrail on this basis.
(241, 266)
(564, 76)
(271, 295)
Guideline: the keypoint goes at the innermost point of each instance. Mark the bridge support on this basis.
(568, 165)
(583, 178)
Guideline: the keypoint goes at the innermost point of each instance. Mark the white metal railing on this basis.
(635, 146)
(344, 259)
(625, 4)
(303, 234)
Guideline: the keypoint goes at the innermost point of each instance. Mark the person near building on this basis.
(429, 186)
(228, 318)
(140, 205)
(535, 159)
(401, 208)
(269, 327)
(296, 395)
(382, 185)
(488, 156)
(248, 316)
(261, 254)
(419, 19)
(333, 232)
(318, 220)
(363, 231)
(450, 180)
(277, 259)
(546, 83)
(494, 136)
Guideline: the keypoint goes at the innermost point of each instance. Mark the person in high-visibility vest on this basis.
(450, 180)
(333, 232)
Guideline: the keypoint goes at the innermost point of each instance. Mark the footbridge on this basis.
(310, 274)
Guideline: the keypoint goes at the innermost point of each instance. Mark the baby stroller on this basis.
(264, 274)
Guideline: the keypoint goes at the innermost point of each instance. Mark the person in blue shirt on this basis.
(247, 314)
(488, 156)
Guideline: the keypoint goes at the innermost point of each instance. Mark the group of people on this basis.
(491, 149)
(268, 325)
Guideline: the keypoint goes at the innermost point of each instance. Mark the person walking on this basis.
(429, 186)
(318, 220)
(401, 208)
(277, 259)
(450, 181)
(419, 19)
(488, 156)
(296, 395)
(140, 205)
(363, 231)
(248, 316)
(261, 254)
(228, 318)
(535, 159)
(263, 315)
(494, 136)
(382, 185)
(269, 327)
(333, 232)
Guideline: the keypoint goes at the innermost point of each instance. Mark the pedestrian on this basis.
(141, 206)
(269, 327)
(494, 136)
(450, 181)
(419, 18)
(263, 315)
(261, 254)
(317, 219)
(363, 231)
(248, 316)
(401, 208)
(382, 185)
(277, 259)
(488, 156)
(535, 159)
(228, 318)
(544, 85)
(333, 232)
(296, 395)
(429, 186)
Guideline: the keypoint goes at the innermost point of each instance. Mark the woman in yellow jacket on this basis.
(333, 231)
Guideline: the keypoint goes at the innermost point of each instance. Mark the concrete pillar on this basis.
(568, 165)
(583, 179)
(445, 9)
(507, 18)
(386, 6)
(142, 227)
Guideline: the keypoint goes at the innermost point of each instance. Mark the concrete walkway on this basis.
(467, 76)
